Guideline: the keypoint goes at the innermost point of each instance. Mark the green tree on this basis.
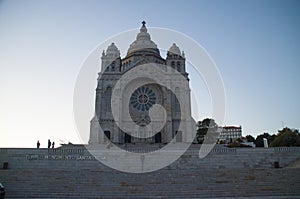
(202, 128)
(286, 137)
(259, 139)
(250, 138)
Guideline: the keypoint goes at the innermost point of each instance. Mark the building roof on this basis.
(231, 127)
(113, 50)
(175, 49)
(143, 42)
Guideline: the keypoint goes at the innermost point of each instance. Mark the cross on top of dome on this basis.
(143, 28)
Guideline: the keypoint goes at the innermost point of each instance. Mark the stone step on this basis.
(223, 173)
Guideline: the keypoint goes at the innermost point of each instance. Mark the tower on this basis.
(176, 59)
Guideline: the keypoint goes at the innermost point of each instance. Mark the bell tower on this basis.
(111, 60)
(176, 58)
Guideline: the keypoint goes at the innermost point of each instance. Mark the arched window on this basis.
(176, 103)
(178, 66)
(113, 66)
(107, 99)
(173, 64)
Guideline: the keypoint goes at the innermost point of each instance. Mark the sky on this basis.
(43, 44)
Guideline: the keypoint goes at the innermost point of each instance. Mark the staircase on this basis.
(224, 173)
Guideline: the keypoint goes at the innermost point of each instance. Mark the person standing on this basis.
(53, 143)
(49, 143)
(38, 144)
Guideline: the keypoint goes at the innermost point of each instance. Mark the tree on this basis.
(250, 138)
(259, 139)
(202, 128)
(286, 137)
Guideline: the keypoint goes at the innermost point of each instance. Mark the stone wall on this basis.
(219, 157)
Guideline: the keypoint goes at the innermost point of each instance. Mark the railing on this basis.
(66, 151)
(146, 148)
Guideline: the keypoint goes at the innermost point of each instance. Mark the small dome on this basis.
(143, 41)
(175, 49)
(112, 50)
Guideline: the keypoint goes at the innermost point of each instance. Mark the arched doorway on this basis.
(157, 137)
(178, 136)
(107, 135)
(127, 138)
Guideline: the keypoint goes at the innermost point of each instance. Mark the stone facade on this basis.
(142, 51)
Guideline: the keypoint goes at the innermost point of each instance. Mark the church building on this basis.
(143, 50)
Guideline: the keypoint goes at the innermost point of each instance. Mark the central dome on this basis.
(143, 42)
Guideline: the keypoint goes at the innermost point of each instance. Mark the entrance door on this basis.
(157, 137)
(127, 138)
(107, 135)
(178, 136)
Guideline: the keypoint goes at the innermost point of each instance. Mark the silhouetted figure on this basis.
(53, 145)
(49, 144)
(38, 144)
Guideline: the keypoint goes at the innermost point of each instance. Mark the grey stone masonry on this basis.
(71, 172)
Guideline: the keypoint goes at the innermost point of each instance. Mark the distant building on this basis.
(230, 133)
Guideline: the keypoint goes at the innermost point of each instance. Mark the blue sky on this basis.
(255, 45)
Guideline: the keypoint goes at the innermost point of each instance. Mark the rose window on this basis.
(142, 98)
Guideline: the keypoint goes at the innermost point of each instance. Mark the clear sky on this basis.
(255, 45)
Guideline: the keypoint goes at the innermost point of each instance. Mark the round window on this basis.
(143, 98)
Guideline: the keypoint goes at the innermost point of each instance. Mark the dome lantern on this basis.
(143, 42)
